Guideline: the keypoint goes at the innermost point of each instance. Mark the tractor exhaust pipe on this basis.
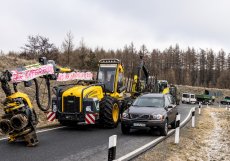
(5, 126)
(19, 121)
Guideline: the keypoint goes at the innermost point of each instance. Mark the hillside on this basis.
(9, 62)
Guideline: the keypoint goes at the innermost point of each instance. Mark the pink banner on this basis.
(26, 75)
(74, 76)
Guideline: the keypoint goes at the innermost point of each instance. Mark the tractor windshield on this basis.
(106, 75)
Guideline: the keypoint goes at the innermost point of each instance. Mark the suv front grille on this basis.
(140, 116)
(71, 104)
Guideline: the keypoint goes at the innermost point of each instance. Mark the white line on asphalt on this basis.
(152, 142)
(40, 131)
(55, 128)
(3, 139)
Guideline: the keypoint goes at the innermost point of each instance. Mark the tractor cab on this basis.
(111, 74)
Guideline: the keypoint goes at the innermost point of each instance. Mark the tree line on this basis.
(186, 67)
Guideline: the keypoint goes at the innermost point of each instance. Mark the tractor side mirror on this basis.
(122, 89)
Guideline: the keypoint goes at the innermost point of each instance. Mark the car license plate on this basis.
(139, 124)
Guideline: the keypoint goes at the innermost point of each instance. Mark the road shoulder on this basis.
(209, 140)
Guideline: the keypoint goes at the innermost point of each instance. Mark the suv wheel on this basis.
(173, 124)
(164, 130)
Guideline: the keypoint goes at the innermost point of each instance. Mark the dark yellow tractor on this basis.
(91, 102)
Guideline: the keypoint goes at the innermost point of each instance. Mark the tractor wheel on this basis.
(109, 112)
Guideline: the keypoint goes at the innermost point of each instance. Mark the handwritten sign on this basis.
(37, 71)
(74, 76)
(26, 75)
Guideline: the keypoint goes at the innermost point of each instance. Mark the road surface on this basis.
(71, 144)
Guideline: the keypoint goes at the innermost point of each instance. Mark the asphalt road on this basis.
(71, 144)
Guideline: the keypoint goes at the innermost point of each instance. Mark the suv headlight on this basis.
(125, 115)
(157, 117)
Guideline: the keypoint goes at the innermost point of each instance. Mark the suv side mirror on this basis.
(129, 103)
(166, 108)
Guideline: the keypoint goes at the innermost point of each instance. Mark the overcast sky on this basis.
(113, 23)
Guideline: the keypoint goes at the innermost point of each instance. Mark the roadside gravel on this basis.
(209, 140)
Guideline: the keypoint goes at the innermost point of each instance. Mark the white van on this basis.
(188, 98)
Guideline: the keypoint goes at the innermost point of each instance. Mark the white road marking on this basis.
(40, 131)
(3, 139)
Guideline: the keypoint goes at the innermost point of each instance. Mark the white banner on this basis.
(74, 76)
(33, 72)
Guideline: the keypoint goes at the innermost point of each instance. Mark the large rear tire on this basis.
(109, 112)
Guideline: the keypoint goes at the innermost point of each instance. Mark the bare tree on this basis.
(68, 45)
(39, 46)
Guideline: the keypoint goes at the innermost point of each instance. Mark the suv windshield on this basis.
(149, 102)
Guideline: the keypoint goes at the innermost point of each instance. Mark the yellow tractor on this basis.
(92, 102)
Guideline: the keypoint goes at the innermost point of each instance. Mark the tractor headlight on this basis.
(88, 109)
(157, 117)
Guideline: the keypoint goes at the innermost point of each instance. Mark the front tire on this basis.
(173, 124)
(164, 130)
(109, 112)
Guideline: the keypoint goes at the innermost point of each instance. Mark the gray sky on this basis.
(113, 23)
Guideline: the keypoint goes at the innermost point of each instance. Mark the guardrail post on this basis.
(199, 107)
(177, 133)
(112, 147)
(193, 117)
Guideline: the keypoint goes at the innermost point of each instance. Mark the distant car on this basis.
(225, 101)
(150, 111)
(188, 98)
